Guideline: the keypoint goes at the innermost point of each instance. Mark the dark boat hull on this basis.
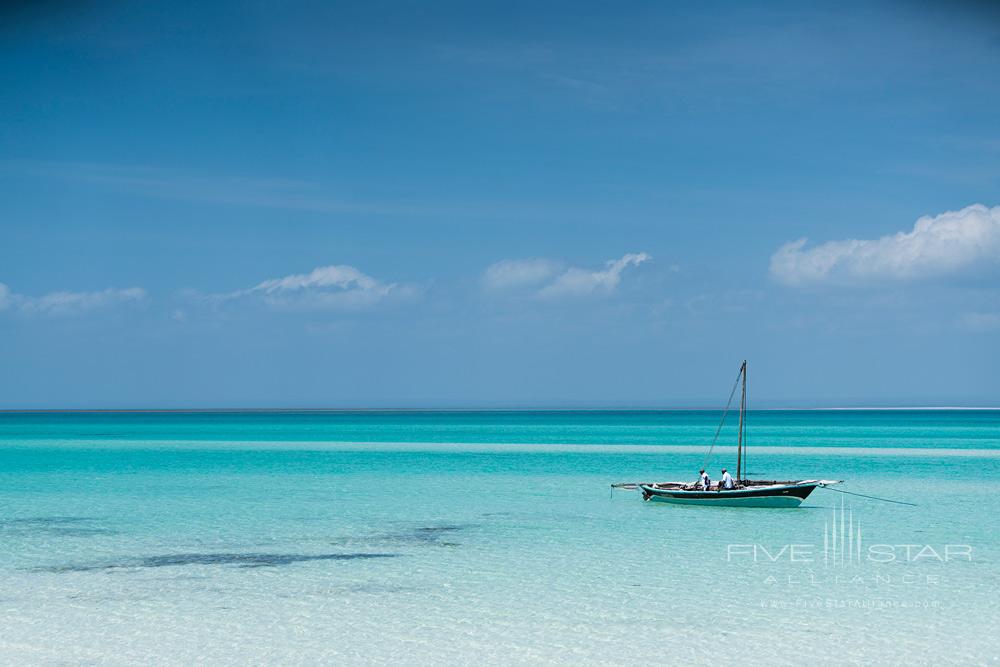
(779, 495)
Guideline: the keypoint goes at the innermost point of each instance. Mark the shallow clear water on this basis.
(444, 538)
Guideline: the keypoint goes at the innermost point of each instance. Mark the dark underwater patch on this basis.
(61, 526)
(433, 534)
(68, 531)
(45, 520)
(251, 560)
(248, 560)
(423, 535)
(440, 529)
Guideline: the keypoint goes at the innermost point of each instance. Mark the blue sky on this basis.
(498, 204)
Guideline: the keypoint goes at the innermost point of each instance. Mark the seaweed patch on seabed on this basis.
(64, 526)
(424, 535)
(432, 534)
(446, 528)
(44, 520)
(247, 560)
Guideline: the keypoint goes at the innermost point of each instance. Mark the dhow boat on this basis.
(744, 492)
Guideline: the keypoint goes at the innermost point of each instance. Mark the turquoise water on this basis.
(822, 428)
(448, 538)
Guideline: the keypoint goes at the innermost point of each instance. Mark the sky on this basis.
(498, 204)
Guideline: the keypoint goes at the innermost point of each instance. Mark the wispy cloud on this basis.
(201, 187)
(771, 56)
(337, 286)
(68, 303)
(581, 282)
(512, 274)
(980, 322)
(940, 245)
(548, 279)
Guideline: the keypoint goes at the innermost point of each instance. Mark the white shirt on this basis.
(705, 481)
(727, 480)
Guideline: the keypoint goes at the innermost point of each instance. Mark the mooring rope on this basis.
(884, 500)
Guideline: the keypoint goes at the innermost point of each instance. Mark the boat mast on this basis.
(746, 418)
(743, 407)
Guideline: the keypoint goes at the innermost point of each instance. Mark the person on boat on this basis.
(727, 480)
(705, 482)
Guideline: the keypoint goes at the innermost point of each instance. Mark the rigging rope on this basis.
(885, 500)
(722, 421)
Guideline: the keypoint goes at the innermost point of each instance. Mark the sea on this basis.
(494, 538)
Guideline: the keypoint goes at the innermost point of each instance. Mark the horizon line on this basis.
(232, 410)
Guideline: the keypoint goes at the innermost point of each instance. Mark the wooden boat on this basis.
(744, 492)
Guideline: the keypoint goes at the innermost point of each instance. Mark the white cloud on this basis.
(548, 279)
(66, 303)
(519, 273)
(939, 245)
(580, 282)
(335, 286)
